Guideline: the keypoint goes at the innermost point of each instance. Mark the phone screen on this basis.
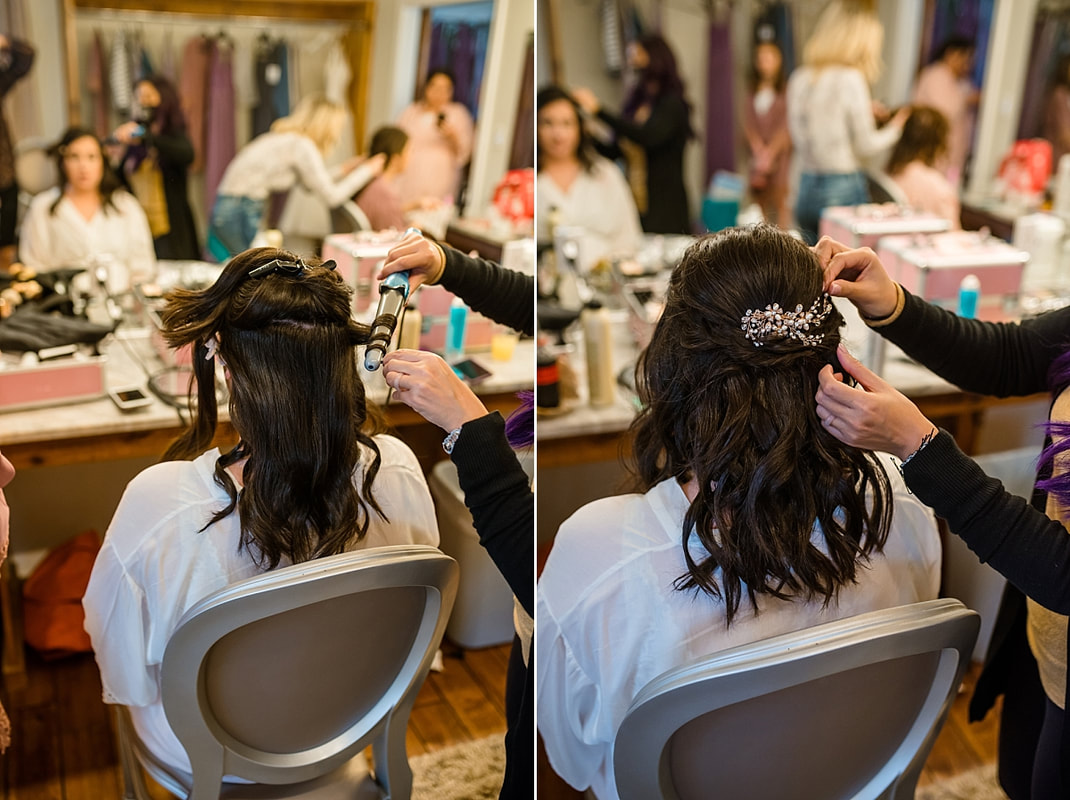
(470, 371)
(130, 394)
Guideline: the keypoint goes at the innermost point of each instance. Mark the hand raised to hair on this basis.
(586, 99)
(423, 259)
(873, 415)
(857, 275)
(430, 387)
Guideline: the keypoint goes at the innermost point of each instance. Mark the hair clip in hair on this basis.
(297, 267)
(774, 322)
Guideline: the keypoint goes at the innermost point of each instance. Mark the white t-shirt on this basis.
(275, 162)
(608, 619)
(49, 241)
(155, 564)
(830, 118)
(600, 202)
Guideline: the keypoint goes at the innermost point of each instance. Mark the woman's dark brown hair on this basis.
(924, 139)
(741, 421)
(296, 400)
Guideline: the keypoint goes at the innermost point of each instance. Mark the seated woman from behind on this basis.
(577, 187)
(380, 200)
(87, 217)
(309, 477)
(915, 165)
(753, 520)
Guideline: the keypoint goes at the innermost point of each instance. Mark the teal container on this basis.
(719, 214)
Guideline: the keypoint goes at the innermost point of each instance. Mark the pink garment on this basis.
(220, 145)
(927, 189)
(769, 182)
(382, 205)
(940, 89)
(434, 168)
(97, 86)
(1057, 123)
(193, 90)
(7, 472)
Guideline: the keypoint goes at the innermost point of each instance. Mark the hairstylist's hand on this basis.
(873, 415)
(430, 387)
(586, 99)
(857, 275)
(125, 132)
(424, 260)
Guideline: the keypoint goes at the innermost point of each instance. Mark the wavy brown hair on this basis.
(924, 139)
(296, 401)
(741, 421)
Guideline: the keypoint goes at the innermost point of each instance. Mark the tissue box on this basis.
(65, 380)
(932, 267)
(864, 225)
(359, 257)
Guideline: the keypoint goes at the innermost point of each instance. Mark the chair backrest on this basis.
(882, 189)
(35, 169)
(349, 218)
(283, 677)
(849, 709)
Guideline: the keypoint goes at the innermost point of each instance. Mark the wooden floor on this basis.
(960, 748)
(64, 742)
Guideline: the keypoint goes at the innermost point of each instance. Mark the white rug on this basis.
(977, 784)
(469, 771)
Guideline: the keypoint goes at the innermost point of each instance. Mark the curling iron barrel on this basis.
(393, 293)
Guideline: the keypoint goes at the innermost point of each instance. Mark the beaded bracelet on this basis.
(924, 441)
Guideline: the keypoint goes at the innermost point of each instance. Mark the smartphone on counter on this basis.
(129, 398)
(468, 370)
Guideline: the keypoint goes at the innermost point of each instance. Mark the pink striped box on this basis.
(933, 266)
(864, 225)
(65, 380)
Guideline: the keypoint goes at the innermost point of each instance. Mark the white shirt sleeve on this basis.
(630, 230)
(313, 175)
(569, 704)
(401, 492)
(35, 249)
(867, 138)
(117, 621)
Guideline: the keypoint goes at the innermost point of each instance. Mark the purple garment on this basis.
(720, 120)
(219, 138)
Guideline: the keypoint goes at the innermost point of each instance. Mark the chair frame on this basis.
(213, 752)
(946, 627)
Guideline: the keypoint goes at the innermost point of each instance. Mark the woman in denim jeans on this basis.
(291, 152)
(831, 113)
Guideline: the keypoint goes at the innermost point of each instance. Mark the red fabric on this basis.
(514, 196)
(52, 598)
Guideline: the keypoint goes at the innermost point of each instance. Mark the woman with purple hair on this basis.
(495, 486)
(1027, 543)
(652, 132)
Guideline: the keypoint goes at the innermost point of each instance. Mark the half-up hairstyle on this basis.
(740, 419)
(297, 402)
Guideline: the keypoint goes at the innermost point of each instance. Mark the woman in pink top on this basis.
(440, 135)
(380, 200)
(945, 85)
(915, 164)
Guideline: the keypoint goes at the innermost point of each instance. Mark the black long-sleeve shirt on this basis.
(663, 137)
(496, 487)
(1015, 537)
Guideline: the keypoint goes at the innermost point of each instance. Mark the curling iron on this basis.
(393, 293)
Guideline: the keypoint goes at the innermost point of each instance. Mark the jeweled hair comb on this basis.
(773, 323)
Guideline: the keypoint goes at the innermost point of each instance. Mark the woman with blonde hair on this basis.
(831, 112)
(291, 153)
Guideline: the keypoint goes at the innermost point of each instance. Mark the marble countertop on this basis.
(128, 350)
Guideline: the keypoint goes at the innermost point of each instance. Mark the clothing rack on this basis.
(353, 18)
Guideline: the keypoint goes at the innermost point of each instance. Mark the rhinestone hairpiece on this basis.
(774, 322)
